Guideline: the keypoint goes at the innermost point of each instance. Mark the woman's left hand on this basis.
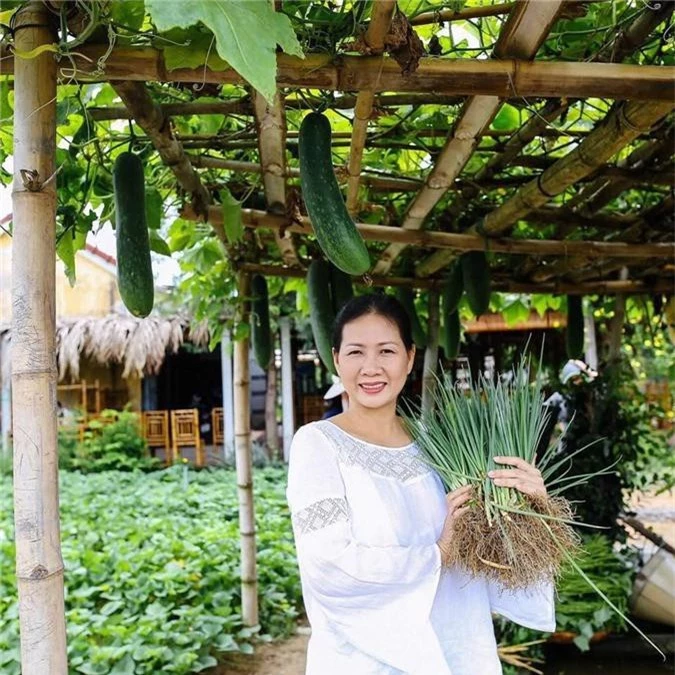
(524, 477)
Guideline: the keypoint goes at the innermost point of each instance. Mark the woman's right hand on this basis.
(455, 501)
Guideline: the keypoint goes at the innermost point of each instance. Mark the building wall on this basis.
(94, 294)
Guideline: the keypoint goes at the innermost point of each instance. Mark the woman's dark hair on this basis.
(386, 306)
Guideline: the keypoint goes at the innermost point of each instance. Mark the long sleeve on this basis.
(532, 607)
(378, 598)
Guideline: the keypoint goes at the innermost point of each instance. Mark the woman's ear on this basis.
(411, 359)
(335, 361)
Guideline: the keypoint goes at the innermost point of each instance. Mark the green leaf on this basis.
(507, 118)
(5, 107)
(234, 227)
(194, 45)
(129, 13)
(247, 34)
(158, 245)
(153, 208)
(124, 667)
(70, 243)
(515, 312)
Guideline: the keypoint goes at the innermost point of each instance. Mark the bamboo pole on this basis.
(384, 183)
(629, 287)
(5, 395)
(228, 394)
(382, 14)
(431, 352)
(527, 26)
(39, 565)
(271, 427)
(448, 240)
(242, 106)
(271, 127)
(149, 117)
(244, 464)
(441, 15)
(287, 407)
(504, 78)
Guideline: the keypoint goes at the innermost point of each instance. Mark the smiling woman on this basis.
(374, 528)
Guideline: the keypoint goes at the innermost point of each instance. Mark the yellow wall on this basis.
(94, 294)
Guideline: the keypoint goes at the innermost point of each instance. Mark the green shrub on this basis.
(113, 442)
(152, 570)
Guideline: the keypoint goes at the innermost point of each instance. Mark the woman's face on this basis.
(373, 362)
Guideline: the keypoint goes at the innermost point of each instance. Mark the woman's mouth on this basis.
(374, 388)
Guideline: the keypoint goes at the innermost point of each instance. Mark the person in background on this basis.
(338, 399)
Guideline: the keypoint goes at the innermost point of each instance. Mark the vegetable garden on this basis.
(472, 157)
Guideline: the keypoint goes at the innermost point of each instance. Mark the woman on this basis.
(373, 526)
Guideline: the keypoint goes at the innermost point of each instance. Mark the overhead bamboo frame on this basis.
(525, 30)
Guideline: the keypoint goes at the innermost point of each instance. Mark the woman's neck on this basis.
(373, 423)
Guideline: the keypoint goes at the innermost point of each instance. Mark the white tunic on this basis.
(366, 519)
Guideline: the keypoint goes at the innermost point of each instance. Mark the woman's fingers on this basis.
(514, 461)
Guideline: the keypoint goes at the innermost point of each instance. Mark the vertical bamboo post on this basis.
(228, 403)
(431, 353)
(288, 427)
(39, 566)
(5, 394)
(615, 332)
(591, 342)
(271, 426)
(244, 463)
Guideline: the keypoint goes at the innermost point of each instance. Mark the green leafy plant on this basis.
(152, 570)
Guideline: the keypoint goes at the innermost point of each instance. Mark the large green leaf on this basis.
(247, 33)
(129, 13)
(234, 228)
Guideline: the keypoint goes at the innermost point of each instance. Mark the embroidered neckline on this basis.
(402, 464)
(374, 445)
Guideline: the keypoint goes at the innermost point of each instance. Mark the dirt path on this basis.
(277, 658)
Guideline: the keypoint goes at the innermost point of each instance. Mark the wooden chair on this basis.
(217, 426)
(185, 433)
(156, 431)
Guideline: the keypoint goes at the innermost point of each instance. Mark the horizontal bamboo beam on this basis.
(377, 182)
(505, 78)
(243, 106)
(456, 242)
(572, 8)
(628, 287)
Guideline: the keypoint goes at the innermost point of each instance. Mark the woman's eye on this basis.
(387, 351)
(355, 351)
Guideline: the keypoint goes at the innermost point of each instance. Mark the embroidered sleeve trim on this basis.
(320, 514)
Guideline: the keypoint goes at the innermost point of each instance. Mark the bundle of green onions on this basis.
(507, 536)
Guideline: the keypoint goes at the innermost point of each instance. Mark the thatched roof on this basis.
(139, 344)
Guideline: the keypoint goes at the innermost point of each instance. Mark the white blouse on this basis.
(366, 519)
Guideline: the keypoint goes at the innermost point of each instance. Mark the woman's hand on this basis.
(525, 477)
(455, 501)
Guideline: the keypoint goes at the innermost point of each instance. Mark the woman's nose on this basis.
(371, 364)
